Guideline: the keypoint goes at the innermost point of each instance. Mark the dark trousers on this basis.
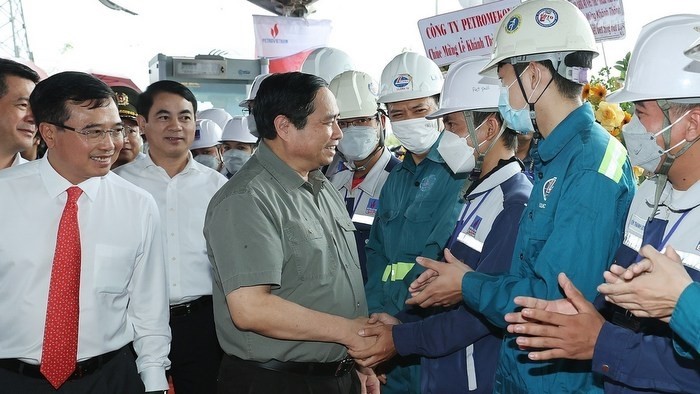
(239, 377)
(118, 376)
(195, 353)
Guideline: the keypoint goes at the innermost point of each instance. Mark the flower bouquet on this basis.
(611, 116)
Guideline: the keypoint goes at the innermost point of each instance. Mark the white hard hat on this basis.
(253, 90)
(409, 76)
(539, 30)
(693, 51)
(356, 94)
(327, 63)
(657, 68)
(218, 115)
(466, 90)
(207, 134)
(237, 130)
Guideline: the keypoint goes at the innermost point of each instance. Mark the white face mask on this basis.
(457, 153)
(252, 127)
(358, 142)
(209, 161)
(641, 144)
(234, 159)
(416, 135)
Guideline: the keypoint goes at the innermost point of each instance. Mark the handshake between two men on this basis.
(439, 285)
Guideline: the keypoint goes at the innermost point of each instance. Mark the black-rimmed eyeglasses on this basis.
(344, 123)
(96, 134)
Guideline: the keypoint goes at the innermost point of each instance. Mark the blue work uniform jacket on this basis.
(573, 223)
(418, 210)
(459, 347)
(416, 215)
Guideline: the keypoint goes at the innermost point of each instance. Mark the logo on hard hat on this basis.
(402, 80)
(373, 88)
(513, 24)
(274, 31)
(546, 17)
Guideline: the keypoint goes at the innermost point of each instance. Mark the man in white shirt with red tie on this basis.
(182, 188)
(83, 276)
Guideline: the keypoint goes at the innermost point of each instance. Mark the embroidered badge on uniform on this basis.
(427, 182)
(372, 206)
(547, 188)
(471, 231)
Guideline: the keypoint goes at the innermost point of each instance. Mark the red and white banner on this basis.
(607, 18)
(287, 41)
(464, 33)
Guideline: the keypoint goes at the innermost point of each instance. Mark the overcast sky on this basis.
(85, 35)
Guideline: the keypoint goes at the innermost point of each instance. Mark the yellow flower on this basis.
(628, 117)
(638, 171)
(586, 91)
(597, 93)
(615, 131)
(609, 115)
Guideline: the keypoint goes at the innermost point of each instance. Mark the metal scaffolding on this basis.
(13, 31)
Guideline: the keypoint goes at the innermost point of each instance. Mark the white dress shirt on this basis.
(123, 292)
(18, 160)
(182, 201)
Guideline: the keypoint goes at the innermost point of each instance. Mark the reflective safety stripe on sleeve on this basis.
(471, 369)
(690, 260)
(363, 219)
(614, 160)
(396, 271)
(470, 242)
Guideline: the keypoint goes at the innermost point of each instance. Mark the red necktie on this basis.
(60, 350)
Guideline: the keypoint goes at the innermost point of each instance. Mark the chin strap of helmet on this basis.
(669, 158)
(533, 115)
(469, 118)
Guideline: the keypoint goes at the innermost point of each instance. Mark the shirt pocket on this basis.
(388, 215)
(538, 225)
(348, 229)
(419, 223)
(113, 266)
(309, 250)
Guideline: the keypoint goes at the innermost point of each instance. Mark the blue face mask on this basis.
(517, 119)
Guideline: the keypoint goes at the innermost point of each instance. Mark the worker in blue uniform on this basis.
(459, 348)
(665, 291)
(419, 202)
(366, 162)
(582, 189)
(642, 355)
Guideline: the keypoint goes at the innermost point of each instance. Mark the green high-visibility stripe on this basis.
(396, 271)
(613, 161)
